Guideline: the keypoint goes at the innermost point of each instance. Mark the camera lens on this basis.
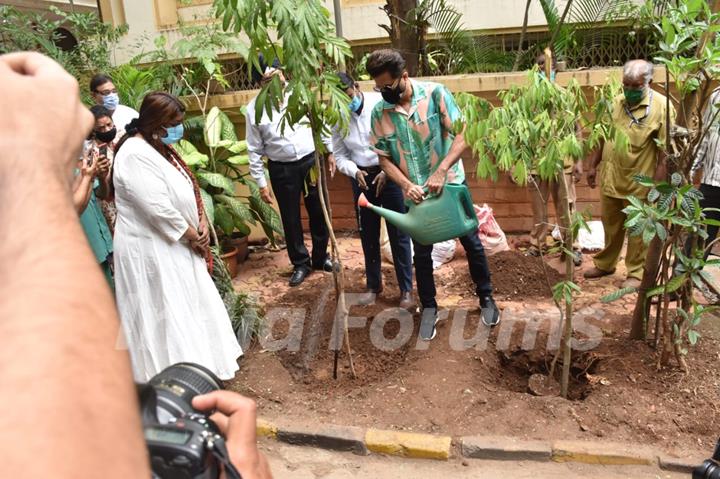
(708, 470)
(177, 385)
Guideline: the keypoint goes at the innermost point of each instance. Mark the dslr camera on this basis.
(710, 469)
(183, 443)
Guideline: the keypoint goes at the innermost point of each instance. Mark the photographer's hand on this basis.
(236, 418)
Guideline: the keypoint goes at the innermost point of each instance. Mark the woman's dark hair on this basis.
(385, 60)
(158, 109)
(98, 80)
(346, 81)
(100, 111)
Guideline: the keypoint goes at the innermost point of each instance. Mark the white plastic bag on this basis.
(442, 252)
(593, 239)
(491, 235)
(588, 240)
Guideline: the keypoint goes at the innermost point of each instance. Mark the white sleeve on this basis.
(329, 143)
(148, 190)
(342, 156)
(256, 149)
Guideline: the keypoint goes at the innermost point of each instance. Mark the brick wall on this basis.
(510, 202)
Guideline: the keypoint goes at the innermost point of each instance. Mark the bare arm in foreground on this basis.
(67, 391)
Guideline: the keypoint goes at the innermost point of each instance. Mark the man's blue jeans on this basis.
(391, 197)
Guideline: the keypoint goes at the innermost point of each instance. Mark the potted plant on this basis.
(219, 172)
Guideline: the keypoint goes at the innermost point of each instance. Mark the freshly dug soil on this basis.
(313, 364)
(514, 276)
(617, 392)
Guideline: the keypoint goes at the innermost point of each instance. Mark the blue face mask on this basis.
(355, 104)
(174, 134)
(552, 75)
(111, 101)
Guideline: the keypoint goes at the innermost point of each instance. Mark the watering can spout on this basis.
(438, 218)
(399, 220)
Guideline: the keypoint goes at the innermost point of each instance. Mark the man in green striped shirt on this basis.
(412, 131)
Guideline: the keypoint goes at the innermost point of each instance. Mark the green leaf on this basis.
(224, 219)
(217, 180)
(615, 295)
(238, 147)
(676, 179)
(661, 231)
(237, 207)
(672, 285)
(190, 155)
(208, 204)
(239, 159)
(644, 180)
(653, 195)
(213, 127)
(648, 233)
(693, 337)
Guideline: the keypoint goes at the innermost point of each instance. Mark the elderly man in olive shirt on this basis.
(641, 114)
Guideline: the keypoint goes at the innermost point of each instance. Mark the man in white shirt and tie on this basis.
(291, 155)
(356, 159)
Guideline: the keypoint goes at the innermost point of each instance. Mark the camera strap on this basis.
(220, 451)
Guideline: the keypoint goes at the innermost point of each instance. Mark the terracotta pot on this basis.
(231, 259)
(241, 243)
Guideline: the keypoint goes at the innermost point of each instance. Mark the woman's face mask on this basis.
(105, 136)
(174, 134)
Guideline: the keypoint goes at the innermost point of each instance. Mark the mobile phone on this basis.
(103, 151)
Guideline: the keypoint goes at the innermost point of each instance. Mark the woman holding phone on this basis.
(101, 149)
(169, 307)
(91, 190)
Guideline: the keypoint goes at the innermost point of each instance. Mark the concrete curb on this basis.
(427, 446)
(505, 449)
(408, 444)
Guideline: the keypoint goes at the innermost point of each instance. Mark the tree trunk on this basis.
(403, 36)
(652, 261)
(560, 24)
(519, 53)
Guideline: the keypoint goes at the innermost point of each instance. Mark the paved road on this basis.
(292, 462)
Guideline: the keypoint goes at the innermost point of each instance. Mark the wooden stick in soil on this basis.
(569, 272)
(341, 311)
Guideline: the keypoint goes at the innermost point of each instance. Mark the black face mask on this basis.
(393, 95)
(106, 136)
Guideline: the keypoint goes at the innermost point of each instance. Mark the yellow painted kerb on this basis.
(266, 429)
(609, 456)
(408, 444)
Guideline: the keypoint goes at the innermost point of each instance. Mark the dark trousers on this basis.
(477, 262)
(391, 197)
(288, 183)
(711, 199)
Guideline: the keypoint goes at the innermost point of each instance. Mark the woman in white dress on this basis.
(169, 307)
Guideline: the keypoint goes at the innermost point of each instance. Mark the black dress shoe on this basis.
(327, 266)
(298, 276)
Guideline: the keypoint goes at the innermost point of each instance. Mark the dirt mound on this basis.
(313, 364)
(514, 277)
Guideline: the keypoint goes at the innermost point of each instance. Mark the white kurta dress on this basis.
(169, 307)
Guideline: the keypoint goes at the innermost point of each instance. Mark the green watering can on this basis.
(438, 218)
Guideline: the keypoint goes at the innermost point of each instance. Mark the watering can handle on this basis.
(467, 203)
